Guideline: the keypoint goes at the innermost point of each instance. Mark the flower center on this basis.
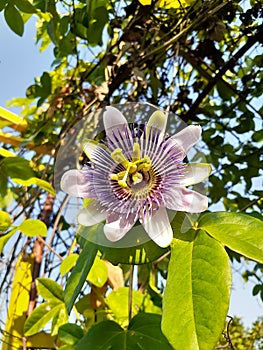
(136, 171)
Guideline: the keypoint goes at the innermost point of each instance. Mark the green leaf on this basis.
(33, 227)
(2, 4)
(7, 199)
(38, 182)
(17, 168)
(59, 319)
(65, 347)
(224, 90)
(197, 292)
(5, 238)
(79, 274)
(50, 290)
(118, 303)
(83, 306)
(133, 254)
(98, 19)
(68, 263)
(70, 333)
(46, 83)
(98, 274)
(240, 232)
(25, 6)
(40, 317)
(5, 220)
(143, 333)
(14, 19)
(258, 136)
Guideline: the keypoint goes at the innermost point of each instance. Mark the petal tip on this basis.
(158, 120)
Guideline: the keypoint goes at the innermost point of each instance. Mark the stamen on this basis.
(123, 182)
(133, 168)
(136, 154)
(119, 157)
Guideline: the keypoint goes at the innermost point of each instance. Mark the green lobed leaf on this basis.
(98, 274)
(70, 333)
(79, 274)
(50, 290)
(14, 19)
(33, 227)
(143, 333)
(133, 254)
(240, 232)
(5, 220)
(40, 317)
(196, 297)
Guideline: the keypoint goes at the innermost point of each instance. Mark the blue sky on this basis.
(20, 62)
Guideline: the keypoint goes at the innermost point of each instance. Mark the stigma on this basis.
(134, 169)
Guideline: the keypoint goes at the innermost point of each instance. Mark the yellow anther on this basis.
(147, 159)
(136, 154)
(119, 157)
(133, 168)
(114, 177)
(118, 176)
(144, 167)
(122, 183)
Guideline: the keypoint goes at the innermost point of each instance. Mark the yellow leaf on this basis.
(16, 141)
(19, 299)
(171, 4)
(145, 2)
(41, 340)
(36, 181)
(13, 120)
(5, 153)
(167, 4)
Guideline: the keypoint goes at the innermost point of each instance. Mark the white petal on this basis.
(187, 137)
(112, 118)
(157, 120)
(89, 147)
(90, 215)
(159, 228)
(195, 173)
(74, 182)
(115, 230)
(183, 199)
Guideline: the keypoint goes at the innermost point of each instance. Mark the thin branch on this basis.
(254, 201)
(228, 333)
(50, 248)
(229, 65)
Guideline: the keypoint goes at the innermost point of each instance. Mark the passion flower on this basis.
(135, 174)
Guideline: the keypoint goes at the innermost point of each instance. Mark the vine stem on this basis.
(130, 293)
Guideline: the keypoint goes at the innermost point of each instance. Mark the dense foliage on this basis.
(201, 60)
